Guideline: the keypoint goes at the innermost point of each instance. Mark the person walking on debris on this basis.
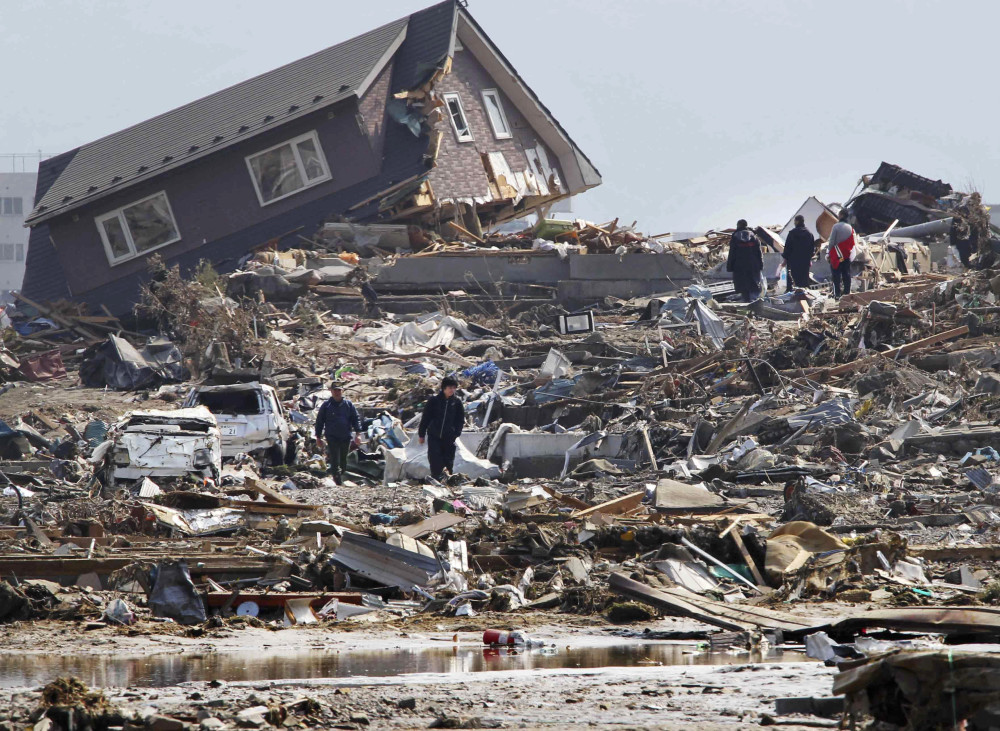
(746, 262)
(440, 427)
(339, 424)
(841, 245)
(800, 246)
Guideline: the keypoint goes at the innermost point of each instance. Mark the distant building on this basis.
(17, 196)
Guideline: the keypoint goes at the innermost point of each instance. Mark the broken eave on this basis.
(580, 174)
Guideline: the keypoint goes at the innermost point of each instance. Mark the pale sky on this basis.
(696, 112)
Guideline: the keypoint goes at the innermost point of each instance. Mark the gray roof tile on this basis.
(239, 112)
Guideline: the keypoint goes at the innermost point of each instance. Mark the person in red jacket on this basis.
(841, 245)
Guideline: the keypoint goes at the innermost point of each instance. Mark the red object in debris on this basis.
(500, 637)
(44, 367)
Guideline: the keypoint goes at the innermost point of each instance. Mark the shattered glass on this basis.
(497, 118)
(150, 223)
(311, 161)
(277, 173)
(458, 118)
(116, 237)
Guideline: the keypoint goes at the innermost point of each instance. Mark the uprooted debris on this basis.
(668, 453)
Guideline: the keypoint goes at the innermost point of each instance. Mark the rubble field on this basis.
(801, 492)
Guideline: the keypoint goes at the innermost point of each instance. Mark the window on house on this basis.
(458, 120)
(137, 228)
(12, 206)
(494, 110)
(288, 168)
(20, 252)
(8, 252)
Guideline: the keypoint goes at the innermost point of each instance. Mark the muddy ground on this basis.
(740, 694)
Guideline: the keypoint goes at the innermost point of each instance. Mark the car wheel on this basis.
(291, 450)
(276, 455)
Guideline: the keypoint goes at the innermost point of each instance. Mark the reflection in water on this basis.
(165, 670)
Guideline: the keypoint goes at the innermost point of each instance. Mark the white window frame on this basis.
(119, 213)
(461, 107)
(503, 115)
(294, 142)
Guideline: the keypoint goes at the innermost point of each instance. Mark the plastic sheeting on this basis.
(432, 332)
(120, 366)
(410, 462)
(710, 323)
(174, 595)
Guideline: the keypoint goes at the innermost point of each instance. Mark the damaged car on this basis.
(251, 420)
(162, 444)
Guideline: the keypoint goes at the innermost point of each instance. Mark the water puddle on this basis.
(157, 671)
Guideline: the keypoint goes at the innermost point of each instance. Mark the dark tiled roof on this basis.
(428, 44)
(236, 113)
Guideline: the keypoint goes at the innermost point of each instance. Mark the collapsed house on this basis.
(422, 120)
(904, 206)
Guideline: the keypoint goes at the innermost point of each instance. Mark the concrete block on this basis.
(630, 266)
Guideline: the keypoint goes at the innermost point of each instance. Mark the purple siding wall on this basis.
(372, 107)
(215, 197)
(460, 172)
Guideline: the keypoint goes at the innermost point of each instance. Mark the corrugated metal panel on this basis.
(979, 477)
(186, 132)
(388, 565)
(833, 412)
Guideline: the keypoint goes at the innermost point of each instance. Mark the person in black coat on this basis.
(746, 262)
(440, 427)
(338, 422)
(800, 247)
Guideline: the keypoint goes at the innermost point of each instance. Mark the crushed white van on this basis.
(250, 416)
(163, 444)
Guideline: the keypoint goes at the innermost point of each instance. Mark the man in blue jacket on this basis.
(338, 422)
(440, 427)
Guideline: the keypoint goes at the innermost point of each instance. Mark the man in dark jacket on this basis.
(800, 247)
(338, 422)
(440, 427)
(746, 262)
